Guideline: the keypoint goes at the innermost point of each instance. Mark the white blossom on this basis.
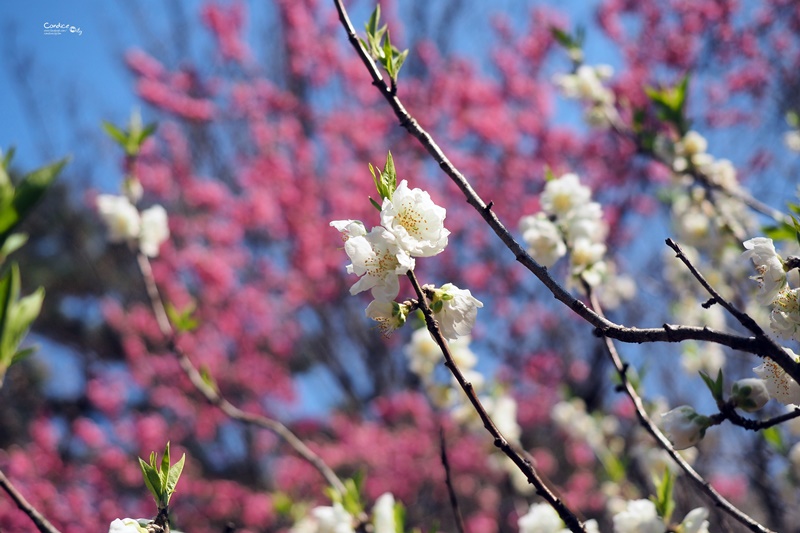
(750, 394)
(423, 353)
(120, 217)
(383, 514)
(780, 385)
(378, 259)
(639, 516)
(586, 261)
(684, 427)
(771, 276)
(389, 315)
(416, 222)
(350, 228)
(564, 194)
(584, 221)
(333, 519)
(542, 518)
(785, 316)
(126, 525)
(792, 140)
(455, 310)
(543, 239)
(155, 230)
(695, 521)
(691, 144)
(586, 84)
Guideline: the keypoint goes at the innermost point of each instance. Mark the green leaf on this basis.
(207, 378)
(715, 386)
(774, 438)
(562, 37)
(117, 134)
(164, 470)
(22, 354)
(375, 204)
(389, 176)
(174, 474)
(665, 504)
(374, 19)
(400, 517)
(151, 479)
(182, 319)
(29, 191)
(14, 242)
(19, 319)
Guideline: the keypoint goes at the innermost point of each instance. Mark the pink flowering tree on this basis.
(241, 211)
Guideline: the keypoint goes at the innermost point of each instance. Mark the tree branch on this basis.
(567, 515)
(213, 396)
(42, 524)
(644, 419)
(449, 481)
(603, 327)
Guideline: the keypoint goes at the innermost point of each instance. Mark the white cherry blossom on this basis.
(780, 385)
(416, 222)
(639, 516)
(126, 525)
(771, 276)
(120, 217)
(542, 518)
(389, 315)
(333, 519)
(785, 316)
(155, 230)
(383, 519)
(350, 228)
(564, 194)
(455, 310)
(543, 239)
(377, 258)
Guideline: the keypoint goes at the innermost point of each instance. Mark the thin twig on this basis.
(567, 515)
(728, 412)
(42, 524)
(449, 481)
(644, 419)
(603, 327)
(213, 396)
(780, 356)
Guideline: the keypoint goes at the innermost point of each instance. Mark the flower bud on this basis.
(684, 427)
(750, 394)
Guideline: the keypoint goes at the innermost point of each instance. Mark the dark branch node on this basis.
(708, 303)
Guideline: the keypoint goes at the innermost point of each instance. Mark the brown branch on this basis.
(448, 480)
(213, 396)
(603, 327)
(778, 354)
(567, 515)
(42, 524)
(727, 411)
(644, 419)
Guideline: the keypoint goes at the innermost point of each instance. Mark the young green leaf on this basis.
(151, 480)
(665, 504)
(174, 474)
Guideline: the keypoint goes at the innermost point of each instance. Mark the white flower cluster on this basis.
(775, 291)
(335, 519)
(542, 518)
(640, 516)
(127, 525)
(411, 226)
(700, 216)
(586, 85)
(571, 223)
(146, 230)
